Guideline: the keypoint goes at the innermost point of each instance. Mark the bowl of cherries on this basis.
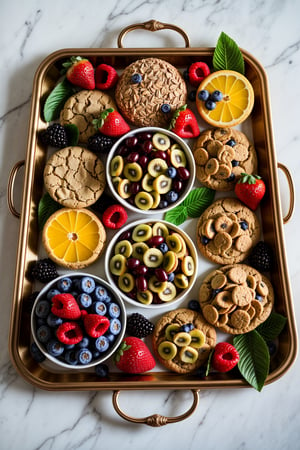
(150, 170)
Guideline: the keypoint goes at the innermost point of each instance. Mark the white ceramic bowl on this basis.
(190, 164)
(113, 282)
(103, 356)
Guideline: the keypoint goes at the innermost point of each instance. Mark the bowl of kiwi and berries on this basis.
(150, 170)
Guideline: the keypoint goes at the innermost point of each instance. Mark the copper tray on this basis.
(28, 246)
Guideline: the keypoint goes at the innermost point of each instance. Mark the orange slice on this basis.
(237, 102)
(73, 238)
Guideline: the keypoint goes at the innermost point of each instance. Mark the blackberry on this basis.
(103, 203)
(55, 135)
(139, 326)
(100, 143)
(261, 257)
(44, 270)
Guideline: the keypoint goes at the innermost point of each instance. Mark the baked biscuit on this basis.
(236, 298)
(227, 231)
(82, 108)
(221, 156)
(178, 349)
(145, 86)
(74, 177)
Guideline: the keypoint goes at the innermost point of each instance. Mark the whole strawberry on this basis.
(184, 123)
(225, 357)
(133, 356)
(80, 72)
(111, 123)
(250, 189)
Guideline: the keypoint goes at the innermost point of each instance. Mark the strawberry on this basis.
(95, 325)
(106, 77)
(80, 72)
(184, 123)
(65, 306)
(114, 217)
(250, 189)
(69, 333)
(111, 123)
(225, 357)
(133, 356)
(197, 72)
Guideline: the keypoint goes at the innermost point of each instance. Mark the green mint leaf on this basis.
(227, 55)
(177, 215)
(56, 100)
(72, 133)
(209, 363)
(198, 200)
(254, 360)
(46, 207)
(272, 327)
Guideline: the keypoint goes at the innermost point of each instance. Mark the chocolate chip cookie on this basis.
(236, 298)
(182, 340)
(227, 231)
(221, 156)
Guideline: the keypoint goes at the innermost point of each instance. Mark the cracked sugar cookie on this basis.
(236, 298)
(149, 91)
(74, 177)
(82, 108)
(227, 231)
(221, 156)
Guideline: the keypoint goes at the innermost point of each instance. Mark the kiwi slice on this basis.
(143, 200)
(169, 293)
(116, 181)
(147, 183)
(117, 265)
(182, 339)
(156, 167)
(198, 338)
(153, 258)
(171, 330)
(145, 297)
(162, 184)
(138, 250)
(156, 199)
(126, 282)
(188, 266)
(157, 286)
(133, 171)
(174, 242)
(160, 229)
(175, 146)
(177, 158)
(167, 350)
(161, 142)
(170, 261)
(123, 247)
(141, 232)
(123, 188)
(181, 281)
(188, 355)
(116, 166)
(183, 251)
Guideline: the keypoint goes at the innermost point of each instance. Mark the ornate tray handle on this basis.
(10, 188)
(156, 420)
(289, 178)
(152, 25)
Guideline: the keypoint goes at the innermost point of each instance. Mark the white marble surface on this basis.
(233, 419)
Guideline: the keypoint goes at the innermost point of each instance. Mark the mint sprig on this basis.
(56, 100)
(192, 206)
(46, 207)
(227, 55)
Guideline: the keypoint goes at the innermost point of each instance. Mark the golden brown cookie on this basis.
(82, 108)
(74, 177)
(159, 84)
(227, 231)
(181, 349)
(241, 304)
(221, 155)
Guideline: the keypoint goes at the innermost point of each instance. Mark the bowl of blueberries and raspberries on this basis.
(78, 321)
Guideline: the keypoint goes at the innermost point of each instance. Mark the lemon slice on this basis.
(73, 238)
(237, 102)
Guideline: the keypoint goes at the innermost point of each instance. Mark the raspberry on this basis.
(99, 143)
(65, 306)
(261, 257)
(139, 326)
(114, 217)
(69, 333)
(106, 77)
(55, 135)
(95, 325)
(197, 72)
(44, 270)
(225, 357)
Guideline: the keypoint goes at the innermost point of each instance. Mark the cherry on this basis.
(133, 157)
(161, 275)
(177, 185)
(183, 173)
(135, 187)
(154, 241)
(131, 141)
(133, 263)
(141, 284)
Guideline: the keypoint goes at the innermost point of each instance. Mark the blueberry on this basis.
(163, 247)
(64, 284)
(171, 277)
(111, 337)
(231, 142)
(84, 343)
(165, 108)
(234, 163)
(204, 240)
(216, 96)
(36, 353)
(187, 327)
(194, 305)
(51, 293)
(186, 74)
(215, 292)
(102, 370)
(102, 344)
(84, 300)
(99, 308)
(171, 197)
(42, 309)
(210, 104)
(244, 225)
(87, 285)
(192, 95)
(163, 204)
(114, 310)
(96, 354)
(171, 172)
(115, 326)
(231, 177)
(136, 78)
(101, 294)
(54, 347)
(70, 358)
(203, 95)
(53, 320)
(43, 333)
(258, 297)
(84, 356)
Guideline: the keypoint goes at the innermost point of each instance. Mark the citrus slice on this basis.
(236, 104)
(73, 238)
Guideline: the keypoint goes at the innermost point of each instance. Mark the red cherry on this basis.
(161, 274)
(141, 270)
(141, 284)
(133, 157)
(144, 136)
(147, 146)
(143, 161)
(122, 150)
(135, 187)
(177, 186)
(133, 263)
(131, 141)
(154, 241)
(183, 173)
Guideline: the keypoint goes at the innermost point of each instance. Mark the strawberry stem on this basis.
(175, 115)
(249, 179)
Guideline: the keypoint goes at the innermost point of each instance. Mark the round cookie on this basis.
(221, 156)
(159, 84)
(227, 231)
(82, 108)
(168, 333)
(236, 298)
(74, 177)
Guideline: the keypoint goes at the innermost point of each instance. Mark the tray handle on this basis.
(289, 178)
(152, 25)
(156, 420)
(10, 188)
